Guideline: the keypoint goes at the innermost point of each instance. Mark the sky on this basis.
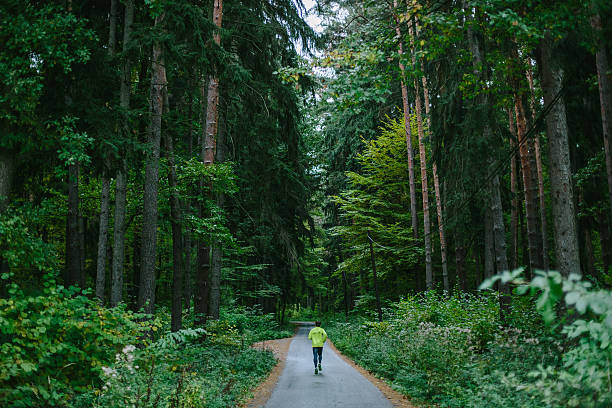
(312, 19)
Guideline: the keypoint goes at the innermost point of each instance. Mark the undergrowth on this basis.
(454, 351)
(62, 349)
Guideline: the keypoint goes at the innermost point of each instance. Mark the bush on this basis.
(583, 379)
(180, 370)
(53, 346)
(450, 351)
(247, 326)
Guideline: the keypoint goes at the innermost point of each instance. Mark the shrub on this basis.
(247, 325)
(53, 346)
(583, 379)
(179, 370)
(450, 351)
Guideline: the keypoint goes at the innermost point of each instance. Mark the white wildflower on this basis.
(108, 371)
(128, 349)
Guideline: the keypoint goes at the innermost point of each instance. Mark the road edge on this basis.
(262, 392)
(396, 399)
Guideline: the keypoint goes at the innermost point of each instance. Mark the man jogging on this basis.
(318, 337)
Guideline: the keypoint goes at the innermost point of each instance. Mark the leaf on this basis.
(581, 305)
(608, 321)
(572, 297)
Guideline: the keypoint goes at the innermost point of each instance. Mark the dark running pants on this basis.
(315, 351)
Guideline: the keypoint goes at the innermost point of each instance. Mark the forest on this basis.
(179, 179)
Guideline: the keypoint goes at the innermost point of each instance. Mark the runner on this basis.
(318, 337)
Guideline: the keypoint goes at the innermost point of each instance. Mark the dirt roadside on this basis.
(262, 392)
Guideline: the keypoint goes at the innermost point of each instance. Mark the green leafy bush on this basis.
(451, 351)
(247, 325)
(180, 370)
(583, 379)
(53, 346)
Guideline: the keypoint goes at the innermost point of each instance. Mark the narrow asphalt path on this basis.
(338, 385)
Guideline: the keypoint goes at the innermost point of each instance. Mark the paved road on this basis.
(338, 385)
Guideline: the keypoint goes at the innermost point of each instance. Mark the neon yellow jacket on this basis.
(318, 337)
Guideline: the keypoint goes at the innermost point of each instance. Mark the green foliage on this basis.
(583, 379)
(72, 144)
(53, 346)
(181, 371)
(376, 201)
(61, 349)
(450, 351)
(21, 248)
(36, 39)
(212, 367)
(247, 325)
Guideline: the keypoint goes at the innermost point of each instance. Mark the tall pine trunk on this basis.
(529, 189)
(605, 92)
(176, 320)
(146, 293)
(564, 215)
(187, 247)
(103, 238)
(497, 216)
(74, 272)
(105, 190)
(514, 224)
(407, 127)
(7, 169)
(604, 239)
(489, 247)
(423, 163)
(217, 250)
(121, 180)
(210, 145)
(540, 173)
(438, 195)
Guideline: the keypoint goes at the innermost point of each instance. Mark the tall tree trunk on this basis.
(217, 251)
(201, 288)
(407, 127)
(187, 206)
(73, 251)
(177, 233)
(540, 173)
(7, 169)
(103, 238)
(438, 195)
(605, 91)
(375, 277)
(529, 189)
(564, 215)
(200, 292)
(460, 261)
(132, 291)
(105, 190)
(423, 163)
(122, 176)
(146, 293)
(112, 28)
(514, 192)
(208, 157)
(480, 70)
(188, 251)
(523, 234)
(119, 238)
(499, 235)
(82, 249)
(488, 245)
(604, 240)
(588, 257)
